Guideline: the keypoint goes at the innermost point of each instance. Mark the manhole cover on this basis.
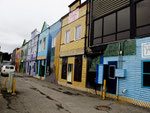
(103, 108)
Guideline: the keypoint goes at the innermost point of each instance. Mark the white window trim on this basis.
(66, 37)
(75, 32)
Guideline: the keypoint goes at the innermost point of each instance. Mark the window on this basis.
(98, 28)
(110, 24)
(111, 72)
(78, 69)
(44, 43)
(143, 17)
(53, 42)
(78, 32)
(123, 19)
(34, 67)
(40, 45)
(146, 74)
(64, 68)
(67, 36)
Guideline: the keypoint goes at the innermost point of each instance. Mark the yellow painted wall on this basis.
(74, 44)
(57, 50)
(71, 60)
(73, 7)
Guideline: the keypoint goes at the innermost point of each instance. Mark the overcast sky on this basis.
(18, 18)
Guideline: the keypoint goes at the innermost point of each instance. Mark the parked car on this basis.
(6, 69)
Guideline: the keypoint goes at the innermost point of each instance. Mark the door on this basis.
(69, 75)
(111, 80)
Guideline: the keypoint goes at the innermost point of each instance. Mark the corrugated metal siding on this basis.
(133, 65)
(102, 7)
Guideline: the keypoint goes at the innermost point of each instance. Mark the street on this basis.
(37, 96)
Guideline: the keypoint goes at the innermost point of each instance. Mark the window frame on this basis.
(141, 26)
(67, 37)
(142, 79)
(40, 44)
(76, 73)
(44, 43)
(75, 32)
(116, 27)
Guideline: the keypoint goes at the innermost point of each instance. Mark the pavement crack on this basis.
(59, 107)
(58, 104)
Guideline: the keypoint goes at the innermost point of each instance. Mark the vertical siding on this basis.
(133, 81)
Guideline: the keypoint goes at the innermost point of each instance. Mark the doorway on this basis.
(69, 75)
(111, 80)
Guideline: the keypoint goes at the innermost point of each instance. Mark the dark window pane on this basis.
(98, 28)
(146, 80)
(124, 19)
(142, 31)
(110, 24)
(146, 67)
(64, 68)
(112, 72)
(143, 15)
(97, 41)
(11, 67)
(7, 67)
(109, 38)
(78, 69)
(123, 35)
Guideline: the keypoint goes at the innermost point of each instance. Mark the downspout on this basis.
(85, 52)
(90, 41)
(37, 54)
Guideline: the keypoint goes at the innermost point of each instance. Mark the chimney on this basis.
(74, 5)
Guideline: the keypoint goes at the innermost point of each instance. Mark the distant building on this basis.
(13, 56)
(43, 51)
(18, 57)
(24, 51)
(31, 64)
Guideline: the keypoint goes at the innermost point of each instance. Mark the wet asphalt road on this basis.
(37, 96)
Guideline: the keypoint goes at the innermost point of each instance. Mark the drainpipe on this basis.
(120, 67)
(87, 7)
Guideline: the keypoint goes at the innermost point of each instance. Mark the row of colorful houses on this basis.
(96, 40)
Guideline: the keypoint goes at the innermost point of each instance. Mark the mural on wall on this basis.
(54, 31)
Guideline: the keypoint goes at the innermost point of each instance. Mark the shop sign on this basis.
(73, 16)
(145, 50)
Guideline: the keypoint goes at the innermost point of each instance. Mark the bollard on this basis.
(13, 89)
(6, 79)
(10, 82)
(104, 90)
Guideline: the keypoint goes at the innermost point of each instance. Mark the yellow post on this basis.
(5, 83)
(14, 87)
(104, 90)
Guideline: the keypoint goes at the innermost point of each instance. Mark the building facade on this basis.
(18, 57)
(31, 64)
(115, 51)
(43, 51)
(53, 37)
(73, 63)
(13, 56)
(24, 51)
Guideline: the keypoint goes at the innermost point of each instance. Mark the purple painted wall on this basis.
(32, 53)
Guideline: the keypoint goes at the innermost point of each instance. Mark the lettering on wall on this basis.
(73, 16)
(145, 50)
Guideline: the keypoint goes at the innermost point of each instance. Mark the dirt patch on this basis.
(56, 90)
(103, 108)
(7, 97)
(71, 94)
